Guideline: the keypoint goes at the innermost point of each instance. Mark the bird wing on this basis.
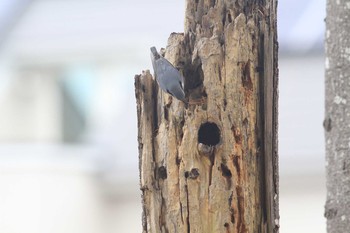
(169, 78)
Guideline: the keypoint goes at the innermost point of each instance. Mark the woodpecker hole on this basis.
(209, 134)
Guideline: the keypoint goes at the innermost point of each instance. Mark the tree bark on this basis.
(337, 116)
(212, 166)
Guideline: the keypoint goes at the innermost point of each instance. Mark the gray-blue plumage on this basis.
(168, 77)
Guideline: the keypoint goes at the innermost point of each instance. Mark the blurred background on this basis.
(68, 127)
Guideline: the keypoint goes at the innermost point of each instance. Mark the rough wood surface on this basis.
(337, 119)
(212, 166)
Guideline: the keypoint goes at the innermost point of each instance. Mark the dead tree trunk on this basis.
(212, 166)
(337, 119)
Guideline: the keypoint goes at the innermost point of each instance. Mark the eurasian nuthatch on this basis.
(168, 77)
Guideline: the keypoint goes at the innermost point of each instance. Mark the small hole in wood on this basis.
(194, 173)
(187, 174)
(225, 171)
(229, 18)
(162, 174)
(209, 134)
(246, 76)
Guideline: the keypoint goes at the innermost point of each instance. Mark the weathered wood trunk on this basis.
(337, 119)
(211, 165)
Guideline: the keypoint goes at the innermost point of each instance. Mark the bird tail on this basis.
(155, 53)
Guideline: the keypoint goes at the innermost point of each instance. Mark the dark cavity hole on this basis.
(187, 174)
(246, 76)
(162, 174)
(225, 171)
(194, 173)
(209, 134)
(229, 18)
(194, 74)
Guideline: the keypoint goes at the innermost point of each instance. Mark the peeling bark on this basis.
(212, 166)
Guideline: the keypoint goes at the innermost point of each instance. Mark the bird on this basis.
(168, 77)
